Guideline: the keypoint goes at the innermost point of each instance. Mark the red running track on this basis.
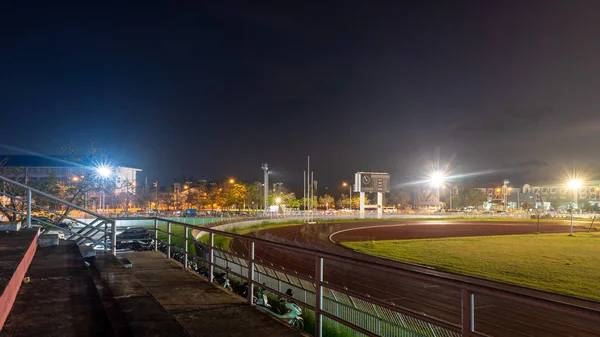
(492, 316)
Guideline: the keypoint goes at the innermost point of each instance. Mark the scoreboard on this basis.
(371, 182)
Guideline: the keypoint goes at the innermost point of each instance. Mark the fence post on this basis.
(468, 312)
(251, 273)
(28, 208)
(155, 234)
(211, 256)
(106, 237)
(168, 240)
(318, 296)
(185, 255)
(113, 237)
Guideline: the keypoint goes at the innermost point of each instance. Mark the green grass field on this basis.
(552, 262)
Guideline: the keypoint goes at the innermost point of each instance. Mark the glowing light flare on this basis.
(574, 184)
(103, 171)
(437, 178)
(278, 200)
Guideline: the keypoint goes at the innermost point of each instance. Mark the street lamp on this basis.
(75, 179)
(575, 185)
(350, 189)
(437, 180)
(231, 180)
(103, 172)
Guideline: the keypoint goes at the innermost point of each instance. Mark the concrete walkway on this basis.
(60, 300)
(201, 308)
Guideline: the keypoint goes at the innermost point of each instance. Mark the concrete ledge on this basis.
(13, 226)
(12, 288)
(48, 240)
(200, 307)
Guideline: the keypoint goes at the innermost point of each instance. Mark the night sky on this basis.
(213, 89)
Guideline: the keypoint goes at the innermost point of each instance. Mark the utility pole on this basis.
(265, 168)
(156, 191)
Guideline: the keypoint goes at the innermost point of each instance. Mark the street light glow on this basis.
(104, 171)
(278, 200)
(574, 184)
(231, 180)
(437, 178)
(344, 184)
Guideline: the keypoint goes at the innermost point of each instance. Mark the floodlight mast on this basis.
(265, 168)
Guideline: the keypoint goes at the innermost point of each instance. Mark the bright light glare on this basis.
(574, 184)
(278, 200)
(437, 179)
(104, 171)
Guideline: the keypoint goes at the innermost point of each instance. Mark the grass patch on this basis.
(554, 262)
(331, 328)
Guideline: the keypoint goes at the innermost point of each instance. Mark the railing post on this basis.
(113, 237)
(185, 255)
(211, 256)
(155, 234)
(28, 208)
(106, 238)
(468, 312)
(168, 240)
(251, 273)
(318, 296)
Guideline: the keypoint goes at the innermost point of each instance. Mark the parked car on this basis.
(190, 212)
(134, 234)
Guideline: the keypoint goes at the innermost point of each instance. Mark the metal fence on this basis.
(334, 303)
(30, 206)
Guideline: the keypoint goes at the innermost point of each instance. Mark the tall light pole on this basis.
(350, 190)
(574, 185)
(437, 180)
(103, 172)
(449, 193)
(505, 188)
(156, 192)
(265, 168)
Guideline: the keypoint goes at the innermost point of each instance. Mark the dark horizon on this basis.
(213, 90)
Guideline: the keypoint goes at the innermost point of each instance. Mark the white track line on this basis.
(357, 228)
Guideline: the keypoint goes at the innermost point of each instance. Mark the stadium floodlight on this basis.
(574, 184)
(437, 179)
(104, 171)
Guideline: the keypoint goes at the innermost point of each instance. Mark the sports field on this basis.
(553, 262)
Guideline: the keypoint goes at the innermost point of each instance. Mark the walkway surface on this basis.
(60, 300)
(199, 307)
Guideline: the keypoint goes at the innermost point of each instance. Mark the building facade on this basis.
(32, 168)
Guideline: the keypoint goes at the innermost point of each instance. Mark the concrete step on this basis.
(132, 310)
(60, 299)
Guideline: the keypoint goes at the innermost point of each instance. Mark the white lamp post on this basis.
(574, 185)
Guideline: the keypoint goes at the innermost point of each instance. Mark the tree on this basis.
(235, 194)
(326, 200)
(254, 195)
(476, 197)
(400, 197)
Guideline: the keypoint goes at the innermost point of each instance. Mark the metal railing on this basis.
(33, 206)
(331, 300)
